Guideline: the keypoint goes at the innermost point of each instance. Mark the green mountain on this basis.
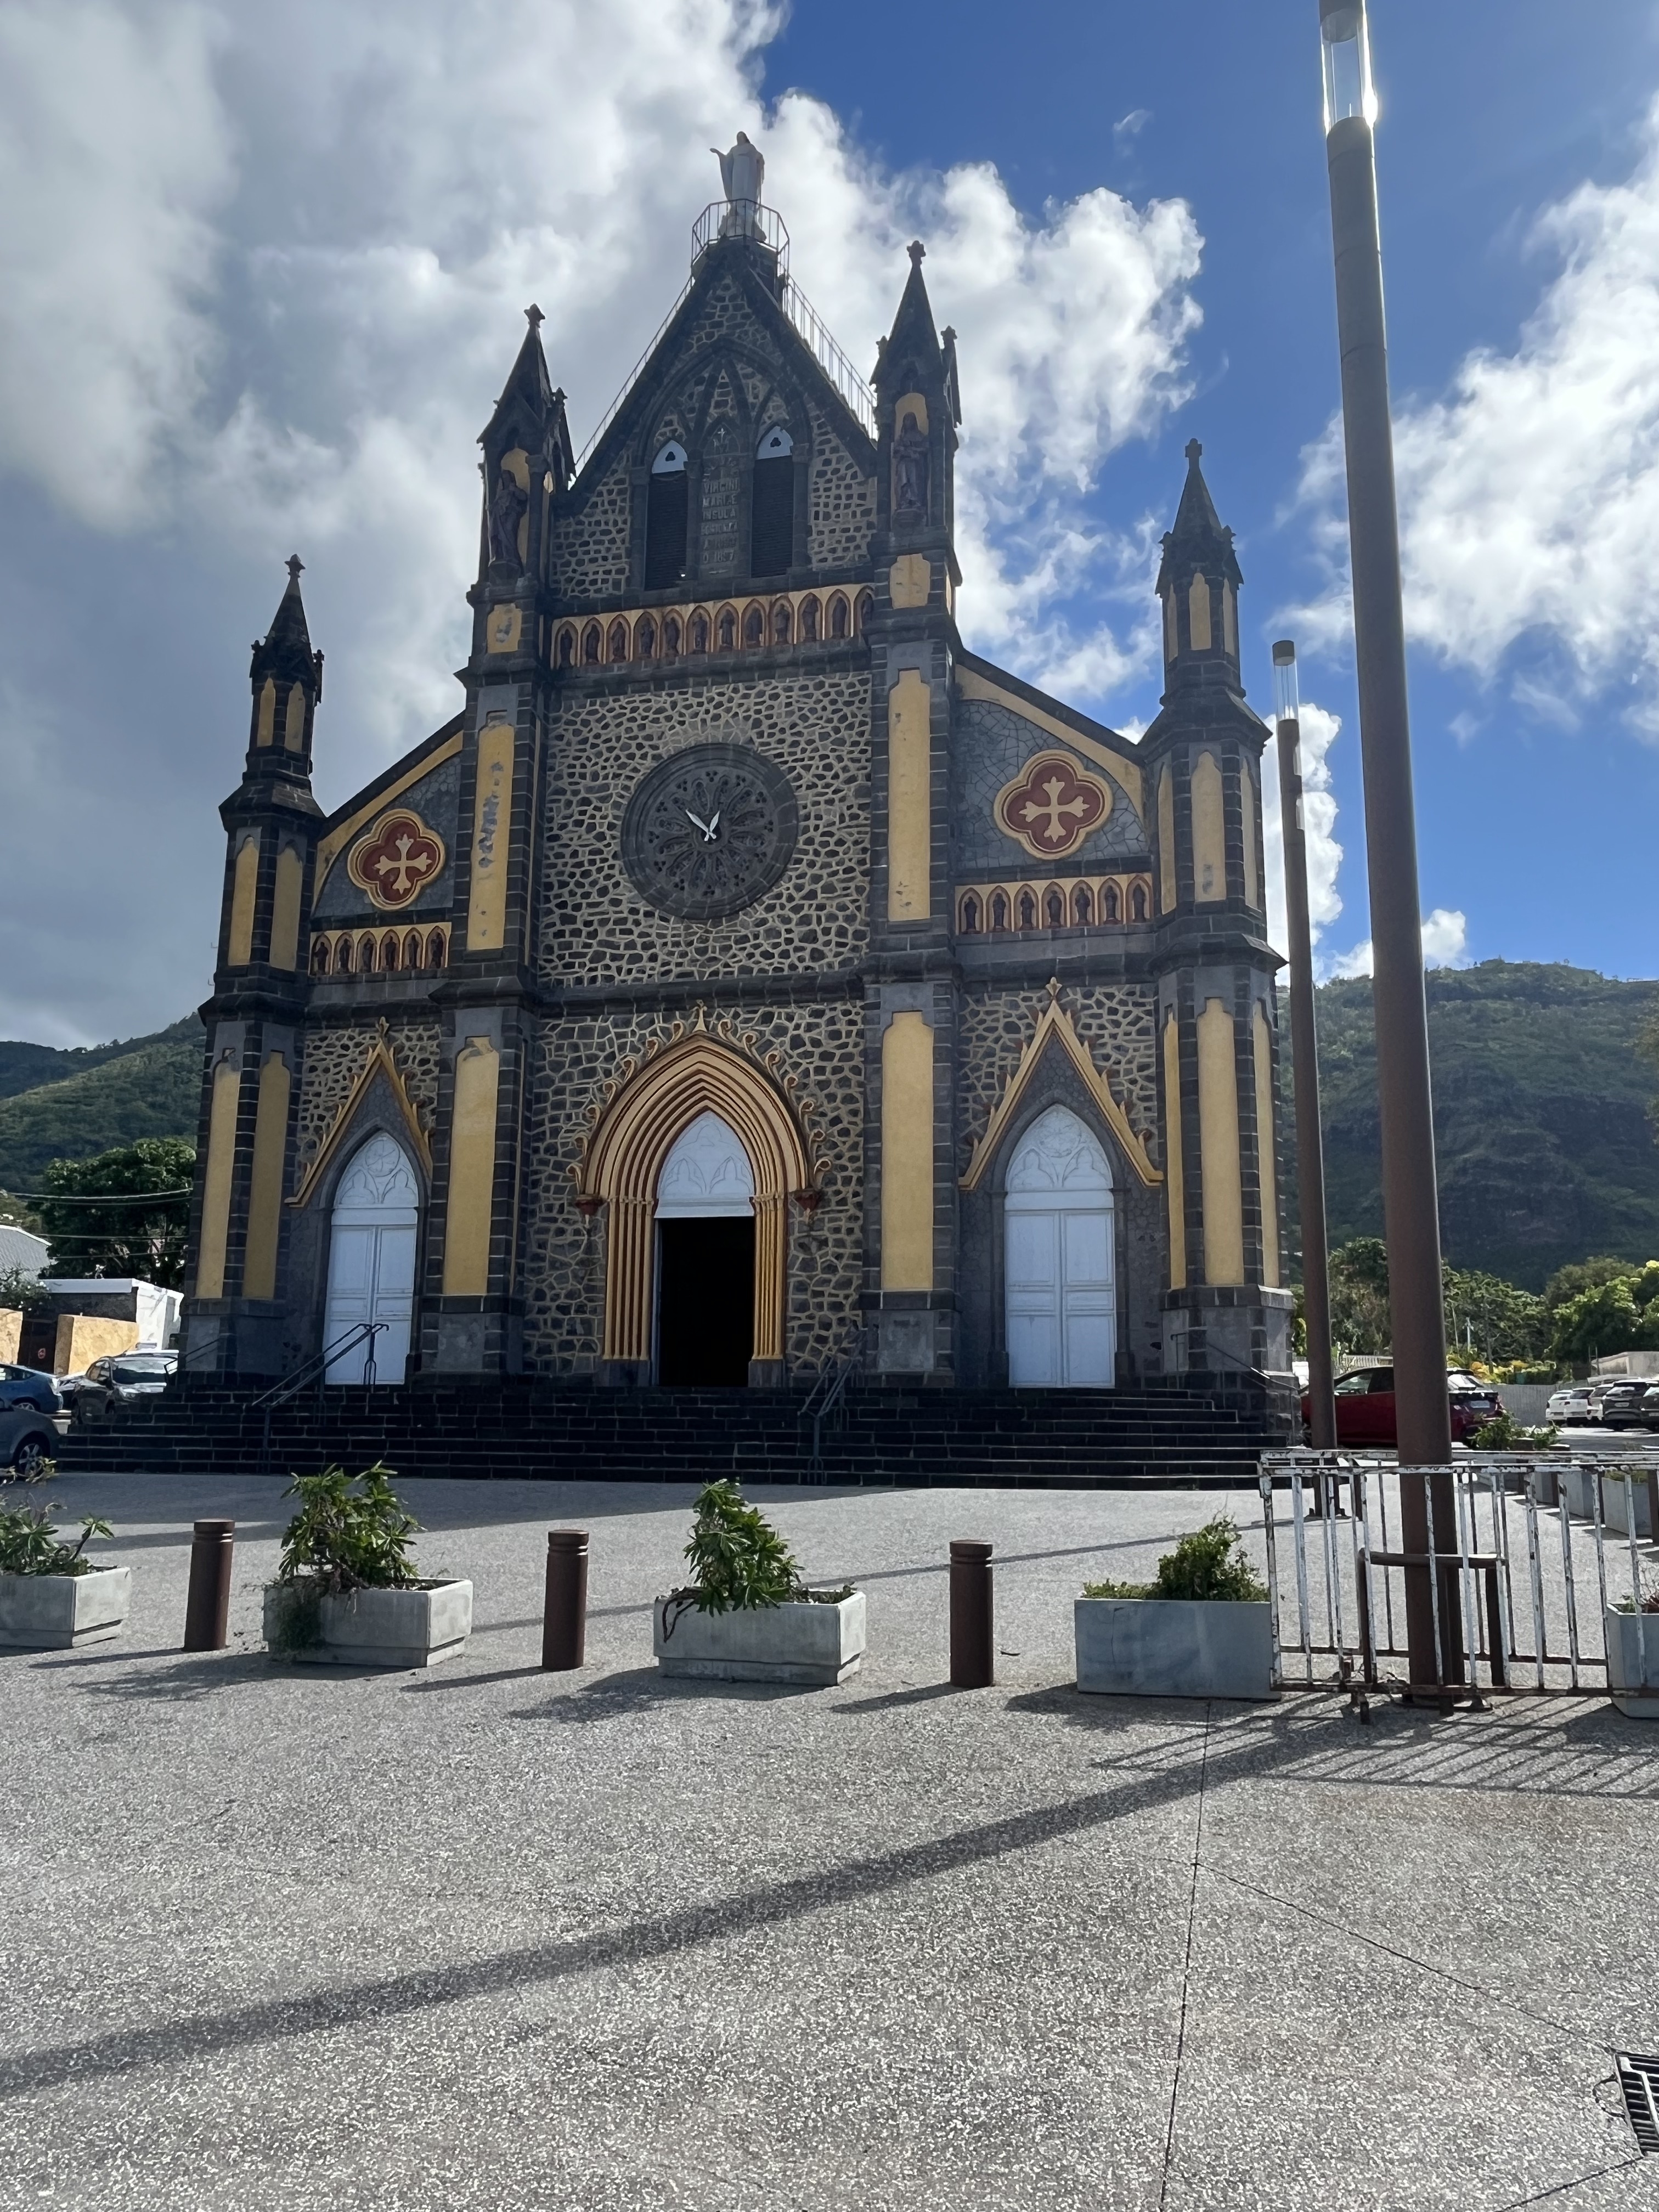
(1546, 1150)
(68, 1105)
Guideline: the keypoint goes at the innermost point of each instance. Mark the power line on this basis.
(78, 1198)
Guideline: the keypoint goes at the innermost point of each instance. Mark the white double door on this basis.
(1060, 1279)
(371, 1263)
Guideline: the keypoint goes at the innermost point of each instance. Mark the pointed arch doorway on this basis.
(1060, 1274)
(706, 1259)
(371, 1263)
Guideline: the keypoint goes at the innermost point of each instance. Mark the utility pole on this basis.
(1410, 1198)
(1304, 1059)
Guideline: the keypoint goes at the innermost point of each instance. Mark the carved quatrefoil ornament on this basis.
(396, 860)
(709, 830)
(1051, 806)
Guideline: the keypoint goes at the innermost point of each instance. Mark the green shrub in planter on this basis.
(1506, 1434)
(1207, 1562)
(350, 1533)
(29, 1543)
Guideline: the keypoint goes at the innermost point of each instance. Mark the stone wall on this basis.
(813, 722)
(818, 1041)
(334, 1059)
(1116, 1021)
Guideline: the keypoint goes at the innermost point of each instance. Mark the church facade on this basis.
(749, 978)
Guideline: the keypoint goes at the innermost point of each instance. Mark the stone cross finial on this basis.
(917, 253)
(534, 317)
(295, 568)
(1194, 450)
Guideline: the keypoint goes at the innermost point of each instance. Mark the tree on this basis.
(1359, 1296)
(1498, 1321)
(1604, 1319)
(1583, 1275)
(128, 1236)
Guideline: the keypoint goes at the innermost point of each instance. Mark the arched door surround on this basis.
(372, 1232)
(623, 1163)
(1059, 1258)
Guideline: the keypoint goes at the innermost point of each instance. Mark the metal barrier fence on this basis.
(1543, 1550)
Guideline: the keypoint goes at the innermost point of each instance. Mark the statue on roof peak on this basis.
(743, 173)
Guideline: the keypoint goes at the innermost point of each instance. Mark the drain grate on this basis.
(1639, 2080)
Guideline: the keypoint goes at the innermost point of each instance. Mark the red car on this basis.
(1364, 1406)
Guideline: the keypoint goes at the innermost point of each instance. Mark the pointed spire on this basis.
(526, 399)
(1200, 539)
(285, 650)
(913, 335)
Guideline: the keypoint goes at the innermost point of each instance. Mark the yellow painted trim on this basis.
(909, 800)
(331, 848)
(910, 580)
(285, 908)
(1217, 1142)
(266, 734)
(379, 1061)
(1055, 1023)
(1197, 614)
(1230, 619)
(1252, 882)
(264, 1198)
(1125, 773)
(505, 624)
(1209, 832)
(1166, 841)
(471, 1214)
(918, 405)
(294, 720)
(907, 1154)
(1267, 1171)
(492, 839)
(216, 1188)
(244, 891)
(1172, 1157)
(633, 1134)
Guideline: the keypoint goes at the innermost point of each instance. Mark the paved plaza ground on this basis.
(277, 1936)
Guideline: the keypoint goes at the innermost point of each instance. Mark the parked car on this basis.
(69, 1388)
(27, 1386)
(1569, 1407)
(123, 1379)
(29, 1442)
(1364, 1406)
(1621, 1405)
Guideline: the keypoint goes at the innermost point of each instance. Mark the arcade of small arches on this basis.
(392, 951)
(730, 626)
(1072, 902)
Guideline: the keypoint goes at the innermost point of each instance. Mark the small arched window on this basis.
(671, 638)
(753, 625)
(567, 648)
(772, 506)
(392, 953)
(1053, 908)
(1083, 906)
(780, 623)
(645, 639)
(809, 620)
(728, 630)
(1027, 911)
(1138, 903)
(699, 633)
(412, 949)
(618, 640)
(999, 912)
(838, 617)
(436, 947)
(666, 511)
(343, 956)
(590, 645)
(970, 916)
(365, 955)
(1112, 910)
(319, 955)
(866, 608)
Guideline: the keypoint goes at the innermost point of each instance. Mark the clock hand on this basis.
(707, 828)
(715, 824)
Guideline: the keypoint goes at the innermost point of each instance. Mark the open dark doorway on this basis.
(706, 1301)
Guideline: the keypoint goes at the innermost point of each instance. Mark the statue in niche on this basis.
(507, 507)
(742, 172)
(910, 467)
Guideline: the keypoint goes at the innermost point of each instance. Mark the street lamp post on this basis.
(1410, 1203)
(1304, 1060)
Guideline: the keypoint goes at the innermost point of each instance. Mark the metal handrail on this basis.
(850, 386)
(748, 219)
(823, 1401)
(318, 1363)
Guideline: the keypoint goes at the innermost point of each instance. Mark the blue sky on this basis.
(248, 309)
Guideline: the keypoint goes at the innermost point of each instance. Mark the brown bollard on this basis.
(564, 1617)
(972, 1649)
(207, 1605)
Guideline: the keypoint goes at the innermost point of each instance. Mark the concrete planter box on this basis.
(811, 1644)
(376, 1627)
(1578, 1491)
(1156, 1647)
(55, 1613)
(1635, 1689)
(1613, 1504)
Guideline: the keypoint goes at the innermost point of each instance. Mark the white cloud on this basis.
(248, 310)
(1445, 942)
(1320, 730)
(1529, 492)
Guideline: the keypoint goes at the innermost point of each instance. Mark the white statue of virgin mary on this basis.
(742, 172)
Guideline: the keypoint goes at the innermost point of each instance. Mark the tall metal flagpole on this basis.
(1410, 1200)
(1304, 1060)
